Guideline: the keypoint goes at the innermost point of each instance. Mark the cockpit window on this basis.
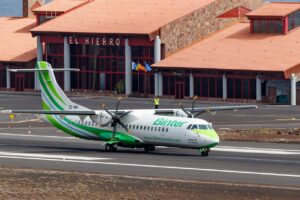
(202, 126)
(189, 127)
(209, 126)
(194, 127)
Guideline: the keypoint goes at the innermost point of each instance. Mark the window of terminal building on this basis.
(101, 67)
(294, 20)
(241, 88)
(267, 26)
(2, 76)
(208, 86)
(143, 82)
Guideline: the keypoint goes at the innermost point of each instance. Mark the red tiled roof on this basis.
(121, 16)
(17, 44)
(275, 10)
(235, 48)
(60, 6)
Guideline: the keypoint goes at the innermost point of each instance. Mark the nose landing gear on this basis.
(148, 148)
(204, 152)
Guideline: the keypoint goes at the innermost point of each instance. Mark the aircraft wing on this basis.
(51, 112)
(201, 110)
(222, 108)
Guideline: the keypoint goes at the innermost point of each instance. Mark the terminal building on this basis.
(219, 50)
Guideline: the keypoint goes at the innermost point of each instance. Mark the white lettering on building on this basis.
(99, 41)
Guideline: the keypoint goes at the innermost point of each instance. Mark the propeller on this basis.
(115, 118)
(190, 114)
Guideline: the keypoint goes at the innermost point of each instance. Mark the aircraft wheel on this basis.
(110, 148)
(149, 148)
(204, 152)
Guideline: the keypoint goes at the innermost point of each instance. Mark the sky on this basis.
(11, 7)
(14, 7)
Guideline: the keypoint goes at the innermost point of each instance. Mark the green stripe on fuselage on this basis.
(104, 135)
(49, 81)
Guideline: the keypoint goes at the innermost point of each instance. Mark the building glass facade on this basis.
(267, 26)
(294, 20)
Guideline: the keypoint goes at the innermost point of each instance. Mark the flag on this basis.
(148, 67)
(140, 67)
(134, 66)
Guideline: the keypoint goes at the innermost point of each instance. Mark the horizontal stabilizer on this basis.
(51, 112)
(40, 70)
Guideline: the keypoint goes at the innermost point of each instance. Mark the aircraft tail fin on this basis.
(53, 97)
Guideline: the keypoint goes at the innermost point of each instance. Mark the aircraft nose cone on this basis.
(213, 139)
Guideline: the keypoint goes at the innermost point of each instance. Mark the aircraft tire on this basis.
(110, 148)
(149, 148)
(204, 152)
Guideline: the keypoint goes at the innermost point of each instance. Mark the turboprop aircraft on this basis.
(144, 128)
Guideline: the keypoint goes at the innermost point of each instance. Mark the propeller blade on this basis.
(117, 105)
(185, 111)
(114, 133)
(124, 114)
(105, 108)
(123, 125)
(193, 103)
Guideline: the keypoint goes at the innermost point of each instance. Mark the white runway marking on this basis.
(157, 166)
(256, 150)
(47, 156)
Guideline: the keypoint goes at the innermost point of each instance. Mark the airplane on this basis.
(136, 128)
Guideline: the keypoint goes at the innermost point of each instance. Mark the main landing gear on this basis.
(110, 148)
(149, 148)
(204, 152)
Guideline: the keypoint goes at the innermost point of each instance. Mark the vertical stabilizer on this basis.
(53, 96)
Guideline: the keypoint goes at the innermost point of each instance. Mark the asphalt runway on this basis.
(234, 162)
(30, 143)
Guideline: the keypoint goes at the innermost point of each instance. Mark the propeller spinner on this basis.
(115, 118)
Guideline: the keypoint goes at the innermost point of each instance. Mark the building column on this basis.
(160, 84)
(224, 79)
(191, 85)
(157, 75)
(39, 57)
(258, 89)
(156, 82)
(293, 89)
(7, 78)
(67, 73)
(128, 71)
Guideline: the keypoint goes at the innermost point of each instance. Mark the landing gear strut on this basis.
(204, 152)
(110, 148)
(149, 148)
